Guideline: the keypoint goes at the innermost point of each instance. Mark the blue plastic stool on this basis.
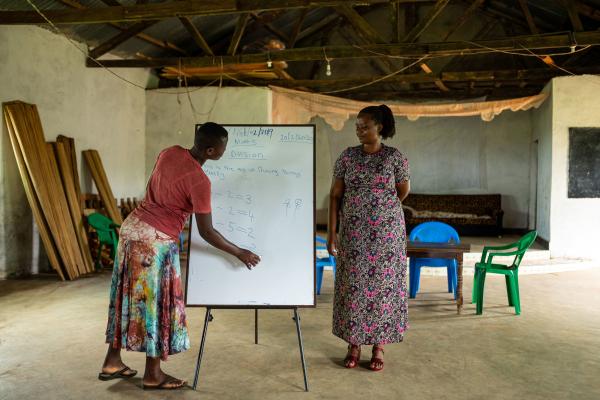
(322, 262)
(435, 232)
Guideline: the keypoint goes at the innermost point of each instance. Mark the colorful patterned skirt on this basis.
(147, 308)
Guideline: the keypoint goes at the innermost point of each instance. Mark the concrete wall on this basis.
(452, 155)
(170, 122)
(574, 222)
(98, 110)
(542, 167)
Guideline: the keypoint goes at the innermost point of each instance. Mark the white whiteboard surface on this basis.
(262, 200)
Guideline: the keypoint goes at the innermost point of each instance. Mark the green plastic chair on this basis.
(510, 272)
(107, 235)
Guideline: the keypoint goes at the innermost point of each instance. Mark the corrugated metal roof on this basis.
(214, 28)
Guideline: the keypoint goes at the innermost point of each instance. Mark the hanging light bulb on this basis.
(269, 62)
(328, 68)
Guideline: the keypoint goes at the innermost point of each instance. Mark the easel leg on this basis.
(300, 343)
(256, 326)
(207, 319)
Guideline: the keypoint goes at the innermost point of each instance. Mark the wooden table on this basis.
(443, 250)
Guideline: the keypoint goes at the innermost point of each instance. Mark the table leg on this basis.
(459, 289)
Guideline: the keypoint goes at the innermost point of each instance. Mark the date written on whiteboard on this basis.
(253, 132)
(291, 206)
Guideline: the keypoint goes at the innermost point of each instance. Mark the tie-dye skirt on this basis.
(147, 308)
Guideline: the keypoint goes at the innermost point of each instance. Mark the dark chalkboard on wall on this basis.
(584, 162)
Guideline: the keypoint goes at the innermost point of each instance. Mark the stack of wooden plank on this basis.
(96, 168)
(48, 172)
(128, 205)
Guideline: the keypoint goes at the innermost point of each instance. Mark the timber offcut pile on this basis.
(49, 175)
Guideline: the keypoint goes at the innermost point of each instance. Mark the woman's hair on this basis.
(381, 115)
(209, 134)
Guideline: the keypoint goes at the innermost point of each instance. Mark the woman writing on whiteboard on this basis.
(146, 311)
(370, 182)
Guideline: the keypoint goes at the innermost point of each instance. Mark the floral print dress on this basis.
(370, 300)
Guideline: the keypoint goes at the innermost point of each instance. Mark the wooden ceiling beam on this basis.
(270, 27)
(475, 5)
(463, 93)
(196, 35)
(524, 75)
(382, 66)
(125, 35)
(397, 22)
(573, 14)
(360, 24)
(163, 10)
(142, 36)
(588, 11)
(528, 17)
(296, 30)
(500, 9)
(333, 18)
(415, 32)
(532, 42)
(238, 33)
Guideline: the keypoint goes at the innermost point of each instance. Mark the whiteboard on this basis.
(263, 198)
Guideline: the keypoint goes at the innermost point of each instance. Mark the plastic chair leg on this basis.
(480, 287)
(319, 279)
(509, 290)
(455, 282)
(516, 294)
(449, 272)
(417, 279)
(455, 276)
(411, 279)
(475, 286)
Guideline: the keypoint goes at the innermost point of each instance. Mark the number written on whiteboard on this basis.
(235, 227)
(291, 206)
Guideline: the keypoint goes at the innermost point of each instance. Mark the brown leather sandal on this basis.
(376, 360)
(351, 361)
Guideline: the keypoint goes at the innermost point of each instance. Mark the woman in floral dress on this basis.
(370, 181)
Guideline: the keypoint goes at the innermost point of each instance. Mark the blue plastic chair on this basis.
(435, 232)
(323, 262)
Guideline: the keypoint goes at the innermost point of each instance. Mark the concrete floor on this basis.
(51, 346)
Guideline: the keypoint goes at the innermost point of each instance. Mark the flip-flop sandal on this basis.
(104, 376)
(164, 385)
